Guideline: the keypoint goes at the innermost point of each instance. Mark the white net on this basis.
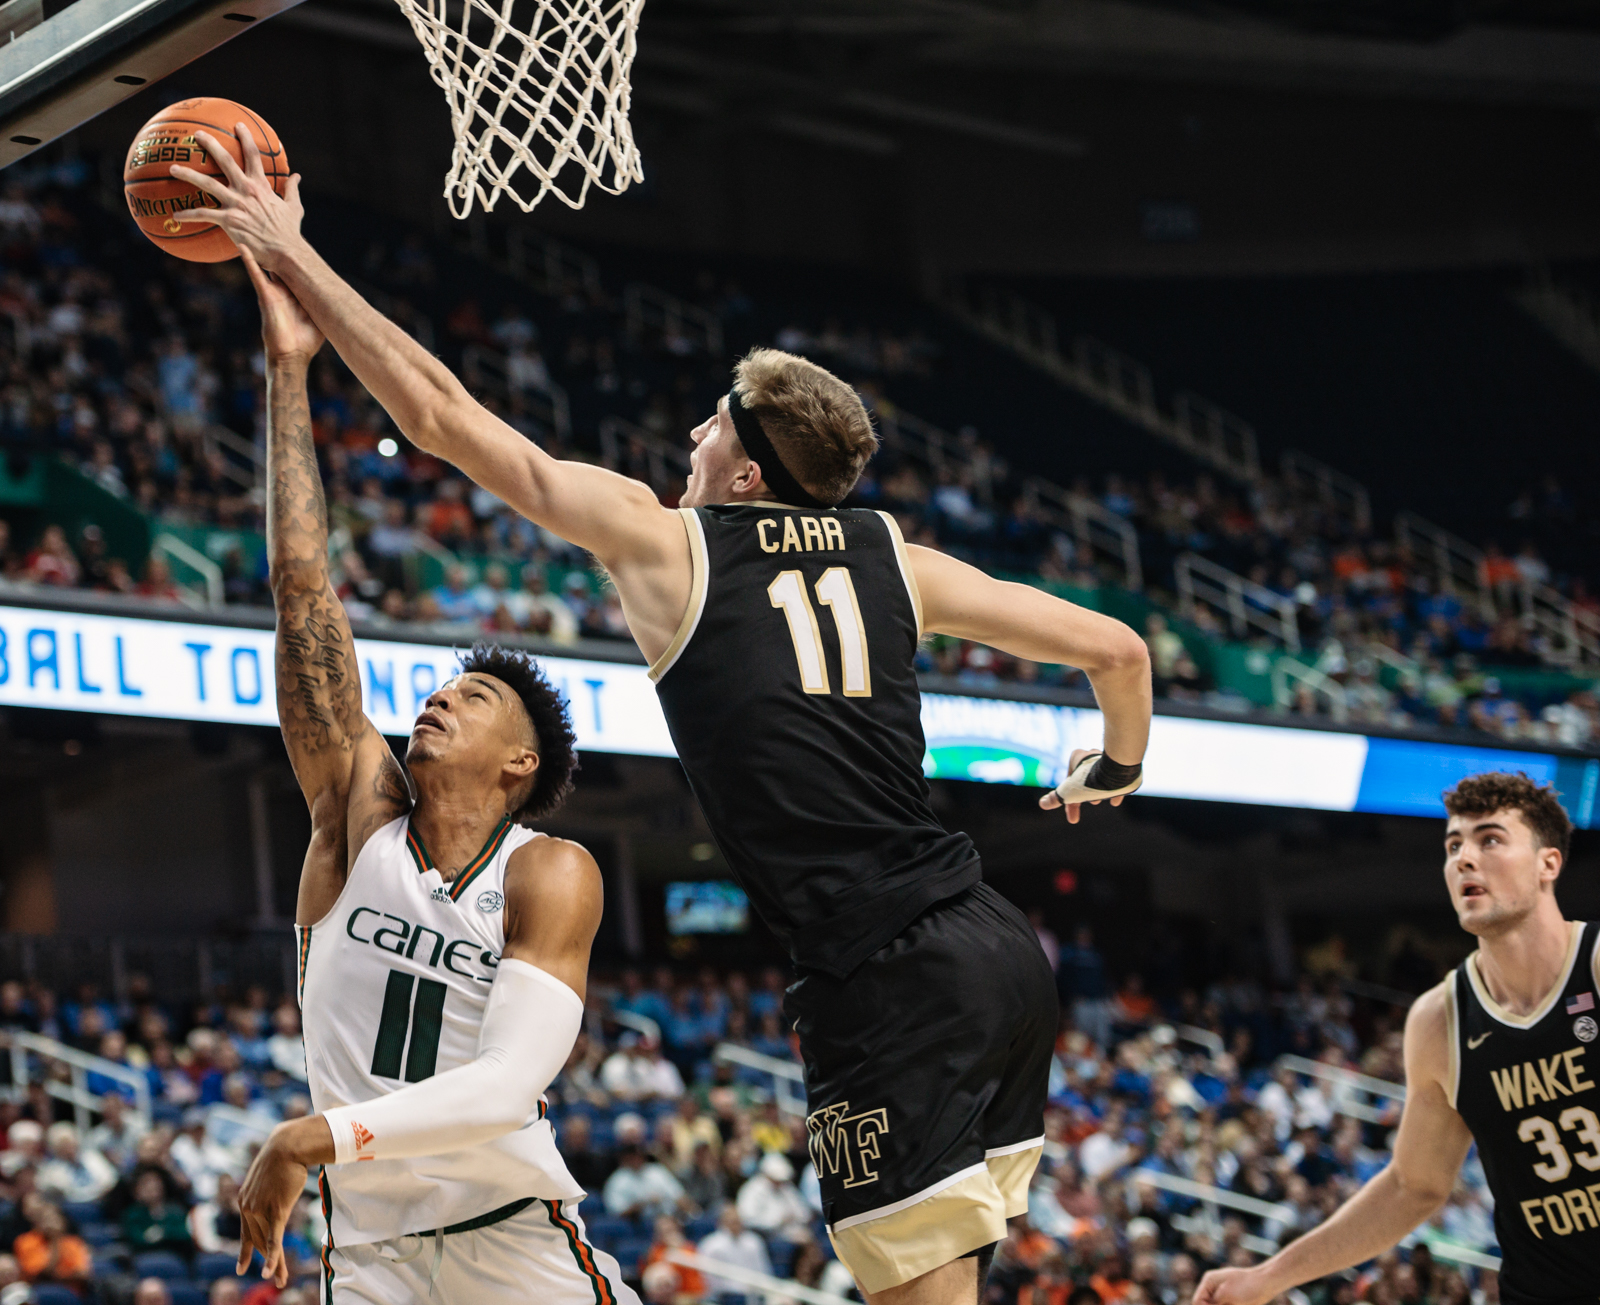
(538, 93)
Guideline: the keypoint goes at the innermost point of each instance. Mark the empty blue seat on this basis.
(213, 1265)
(607, 1228)
(160, 1264)
(186, 1293)
(82, 1212)
(700, 1227)
(53, 1293)
(100, 1234)
(629, 1251)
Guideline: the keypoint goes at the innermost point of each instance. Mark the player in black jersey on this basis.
(781, 631)
(1502, 1053)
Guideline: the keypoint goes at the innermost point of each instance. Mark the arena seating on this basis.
(1180, 1083)
(131, 397)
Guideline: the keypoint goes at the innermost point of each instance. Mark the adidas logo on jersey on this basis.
(441, 894)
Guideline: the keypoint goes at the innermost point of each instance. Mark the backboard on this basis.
(60, 65)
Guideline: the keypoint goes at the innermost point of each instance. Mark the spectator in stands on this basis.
(286, 1048)
(704, 1183)
(637, 1071)
(226, 1290)
(686, 1284)
(154, 1222)
(52, 561)
(733, 1243)
(690, 1131)
(536, 610)
(153, 1291)
(47, 1252)
(1165, 646)
(1081, 981)
(24, 1148)
(770, 1203)
(74, 1173)
(117, 1134)
(642, 1188)
(454, 597)
(215, 1225)
(661, 1285)
(589, 1165)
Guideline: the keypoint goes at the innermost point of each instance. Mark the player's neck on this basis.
(455, 824)
(1520, 966)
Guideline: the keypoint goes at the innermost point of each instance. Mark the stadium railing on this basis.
(765, 1285)
(1281, 1212)
(1344, 495)
(1327, 689)
(209, 572)
(648, 306)
(788, 1079)
(1246, 605)
(663, 458)
(1348, 1089)
(75, 1091)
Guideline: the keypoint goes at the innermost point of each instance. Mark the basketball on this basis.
(155, 197)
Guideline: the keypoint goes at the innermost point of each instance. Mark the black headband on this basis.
(780, 480)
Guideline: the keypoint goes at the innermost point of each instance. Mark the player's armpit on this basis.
(554, 899)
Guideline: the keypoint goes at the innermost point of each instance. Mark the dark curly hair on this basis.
(1499, 790)
(552, 726)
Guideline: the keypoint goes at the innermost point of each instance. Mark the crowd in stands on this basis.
(682, 1150)
(144, 373)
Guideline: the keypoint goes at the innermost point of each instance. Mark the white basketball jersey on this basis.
(393, 985)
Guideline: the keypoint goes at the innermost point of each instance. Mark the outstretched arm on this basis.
(964, 602)
(348, 775)
(617, 519)
(1432, 1142)
(534, 1013)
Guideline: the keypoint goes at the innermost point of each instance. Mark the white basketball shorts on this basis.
(534, 1250)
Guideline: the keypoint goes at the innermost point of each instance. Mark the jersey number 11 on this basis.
(834, 590)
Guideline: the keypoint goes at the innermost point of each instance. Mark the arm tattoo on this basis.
(319, 687)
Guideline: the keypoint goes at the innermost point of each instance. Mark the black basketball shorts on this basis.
(927, 1071)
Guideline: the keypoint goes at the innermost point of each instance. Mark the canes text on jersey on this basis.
(402, 938)
(822, 535)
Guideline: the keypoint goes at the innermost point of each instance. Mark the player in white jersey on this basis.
(443, 946)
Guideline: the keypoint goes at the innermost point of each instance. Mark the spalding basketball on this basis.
(155, 195)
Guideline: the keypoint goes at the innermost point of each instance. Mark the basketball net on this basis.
(539, 107)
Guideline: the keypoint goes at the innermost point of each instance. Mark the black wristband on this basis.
(1109, 775)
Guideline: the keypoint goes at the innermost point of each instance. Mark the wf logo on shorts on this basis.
(846, 1144)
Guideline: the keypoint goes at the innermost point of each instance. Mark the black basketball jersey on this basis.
(1529, 1089)
(791, 696)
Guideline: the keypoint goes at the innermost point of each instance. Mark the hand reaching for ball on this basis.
(264, 225)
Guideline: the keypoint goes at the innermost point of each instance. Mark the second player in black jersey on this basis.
(1502, 1053)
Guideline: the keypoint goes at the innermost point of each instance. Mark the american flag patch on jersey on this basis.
(1582, 1002)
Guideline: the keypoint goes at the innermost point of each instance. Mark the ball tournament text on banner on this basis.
(135, 666)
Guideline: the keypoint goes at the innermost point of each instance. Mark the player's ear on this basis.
(1549, 864)
(523, 764)
(747, 479)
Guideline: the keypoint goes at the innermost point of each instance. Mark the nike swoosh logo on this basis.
(1474, 1043)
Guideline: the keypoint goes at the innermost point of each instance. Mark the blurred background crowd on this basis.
(680, 1113)
(142, 375)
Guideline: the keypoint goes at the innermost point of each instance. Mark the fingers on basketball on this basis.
(176, 206)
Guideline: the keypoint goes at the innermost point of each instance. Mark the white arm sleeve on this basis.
(531, 1021)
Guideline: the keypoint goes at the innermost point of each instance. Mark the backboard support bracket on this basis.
(94, 54)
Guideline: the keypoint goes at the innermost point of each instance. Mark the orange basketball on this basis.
(154, 194)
